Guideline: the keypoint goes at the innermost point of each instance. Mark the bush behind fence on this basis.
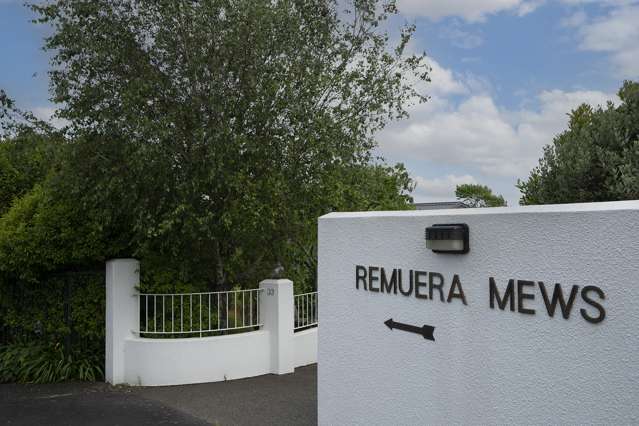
(52, 329)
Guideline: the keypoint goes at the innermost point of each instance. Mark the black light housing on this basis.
(448, 238)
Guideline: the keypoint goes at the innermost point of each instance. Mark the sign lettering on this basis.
(516, 296)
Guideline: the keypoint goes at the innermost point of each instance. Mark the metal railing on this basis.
(198, 314)
(305, 310)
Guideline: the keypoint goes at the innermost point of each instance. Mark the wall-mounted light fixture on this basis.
(448, 238)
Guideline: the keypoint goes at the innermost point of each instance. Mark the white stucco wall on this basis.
(486, 366)
(305, 343)
(157, 362)
(122, 276)
(161, 362)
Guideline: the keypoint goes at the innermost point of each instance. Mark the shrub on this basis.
(42, 363)
(52, 329)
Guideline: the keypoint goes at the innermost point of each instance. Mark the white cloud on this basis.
(529, 6)
(474, 135)
(443, 81)
(600, 2)
(615, 33)
(47, 114)
(470, 10)
(439, 189)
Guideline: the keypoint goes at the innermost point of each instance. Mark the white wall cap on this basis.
(546, 208)
(276, 282)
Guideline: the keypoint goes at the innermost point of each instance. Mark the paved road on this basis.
(84, 404)
(266, 400)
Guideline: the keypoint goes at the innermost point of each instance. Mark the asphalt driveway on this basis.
(266, 400)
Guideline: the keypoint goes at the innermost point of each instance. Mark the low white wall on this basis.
(157, 362)
(162, 362)
(305, 347)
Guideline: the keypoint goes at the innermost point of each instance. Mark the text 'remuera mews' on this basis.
(516, 295)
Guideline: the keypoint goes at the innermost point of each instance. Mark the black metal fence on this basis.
(65, 308)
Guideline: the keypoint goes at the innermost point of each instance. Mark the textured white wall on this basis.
(122, 276)
(305, 347)
(158, 362)
(276, 313)
(485, 366)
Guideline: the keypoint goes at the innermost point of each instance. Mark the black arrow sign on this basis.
(425, 330)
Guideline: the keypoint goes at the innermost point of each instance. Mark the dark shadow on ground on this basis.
(266, 400)
(84, 404)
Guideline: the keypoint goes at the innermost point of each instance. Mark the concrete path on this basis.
(266, 400)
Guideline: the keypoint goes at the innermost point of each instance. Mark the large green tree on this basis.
(207, 136)
(595, 159)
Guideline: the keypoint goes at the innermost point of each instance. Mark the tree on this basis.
(473, 195)
(25, 160)
(28, 148)
(595, 159)
(209, 135)
(360, 188)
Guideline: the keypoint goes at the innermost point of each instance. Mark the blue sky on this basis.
(505, 73)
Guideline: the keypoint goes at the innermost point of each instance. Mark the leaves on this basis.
(473, 195)
(596, 159)
(41, 363)
(208, 135)
(204, 138)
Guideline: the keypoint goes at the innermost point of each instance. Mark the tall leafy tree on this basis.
(216, 131)
(473, 195)
(595, 159)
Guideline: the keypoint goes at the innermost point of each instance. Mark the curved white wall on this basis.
(305, 347)
(157, 362)
(161, 362)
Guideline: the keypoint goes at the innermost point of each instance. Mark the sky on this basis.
(505, 74)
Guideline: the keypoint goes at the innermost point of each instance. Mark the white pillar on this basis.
(122, 276)
(276, 312)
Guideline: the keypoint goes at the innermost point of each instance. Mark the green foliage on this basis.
(478, 196)
(207, 137)
(372, 187)
(44, 232)
(37, 363)
(14, 121)
(25, 159)
(62, 312)
(596, 159)
(61, 307)
(204, 138)
(360, 188)
(43, 229)
(28, 149)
